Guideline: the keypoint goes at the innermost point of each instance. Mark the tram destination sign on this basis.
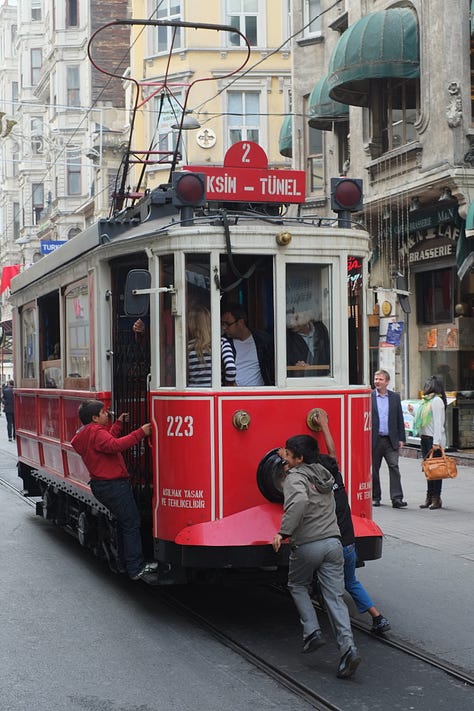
(245, 177)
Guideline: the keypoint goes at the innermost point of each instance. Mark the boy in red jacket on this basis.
(101, 450)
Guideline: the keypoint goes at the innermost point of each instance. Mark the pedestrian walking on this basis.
(9, 409)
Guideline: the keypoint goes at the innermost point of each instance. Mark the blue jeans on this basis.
(324, 557)
(117, 496)
(353, 586)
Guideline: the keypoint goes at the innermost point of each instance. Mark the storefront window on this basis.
(435, 296)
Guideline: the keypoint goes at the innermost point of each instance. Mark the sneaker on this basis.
(313, 642)
(148, 568)
(380, 625)
(348, 664)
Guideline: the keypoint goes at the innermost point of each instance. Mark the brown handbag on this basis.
(442, 467)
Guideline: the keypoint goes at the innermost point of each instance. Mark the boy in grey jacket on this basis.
(309, 522)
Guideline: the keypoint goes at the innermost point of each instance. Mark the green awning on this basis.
(323, 111)
(285, 144)
(464, 252)
(470, 221)
(381, 45)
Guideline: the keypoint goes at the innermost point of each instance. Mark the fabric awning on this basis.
(470, 221)
(464, 253)
(381, 45)
(324, 111)
(285, 144)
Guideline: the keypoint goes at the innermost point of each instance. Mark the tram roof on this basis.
(105, 232)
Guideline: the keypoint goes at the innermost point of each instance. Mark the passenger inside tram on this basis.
(253, 349)
(308, 341)
(199, 351)
(307, 344)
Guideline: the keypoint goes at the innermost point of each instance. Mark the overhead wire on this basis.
(29, 201)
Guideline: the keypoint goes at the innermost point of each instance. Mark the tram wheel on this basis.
(49, 504)
(83, 528)
(270, 475)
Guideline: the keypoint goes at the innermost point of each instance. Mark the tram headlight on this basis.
(346, 195)
(189, 189)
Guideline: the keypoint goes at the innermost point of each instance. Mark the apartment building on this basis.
(383, 92)
(231, 97)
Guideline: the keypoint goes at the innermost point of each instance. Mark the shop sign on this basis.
(422, 220)
(429, 249)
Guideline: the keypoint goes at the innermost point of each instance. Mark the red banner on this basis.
(7, 275)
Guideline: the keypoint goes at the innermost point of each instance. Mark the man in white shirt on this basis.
(254, 356)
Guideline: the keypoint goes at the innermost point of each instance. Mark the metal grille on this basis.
(131, 365)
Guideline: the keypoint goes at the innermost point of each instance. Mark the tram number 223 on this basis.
(179, 426)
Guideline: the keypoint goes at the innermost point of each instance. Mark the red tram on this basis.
(208, 484)
(208, 487)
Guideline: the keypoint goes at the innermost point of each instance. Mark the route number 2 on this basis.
(179, 426)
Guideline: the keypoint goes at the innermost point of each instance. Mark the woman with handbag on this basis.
(429, 423)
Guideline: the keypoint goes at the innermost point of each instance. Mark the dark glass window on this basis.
(435, 296)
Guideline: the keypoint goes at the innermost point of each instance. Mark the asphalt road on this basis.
(81, 638)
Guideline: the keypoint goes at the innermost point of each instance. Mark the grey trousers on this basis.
(383, 450)
(326, 558)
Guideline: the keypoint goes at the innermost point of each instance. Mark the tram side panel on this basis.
(206, 488)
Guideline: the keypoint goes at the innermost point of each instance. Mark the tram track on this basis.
(417, 653)
(294, 682)
(316, 700)
(291, 682)
(16, 492)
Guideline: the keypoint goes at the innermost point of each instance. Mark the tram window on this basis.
(167, 329)
(49, 341)
(247, 281)
(29, 336)
(355, 321)
(77, 334)
(198, 321)
(308, 320)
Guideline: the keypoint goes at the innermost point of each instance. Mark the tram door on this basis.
(130, 368)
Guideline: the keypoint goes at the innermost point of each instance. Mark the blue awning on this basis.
(381, 45)
(324, 111)
(285, 142)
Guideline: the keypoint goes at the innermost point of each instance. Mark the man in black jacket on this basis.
(253, 350)
(388, 435)
(8, 409)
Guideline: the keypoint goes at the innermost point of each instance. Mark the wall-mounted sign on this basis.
(49, 245)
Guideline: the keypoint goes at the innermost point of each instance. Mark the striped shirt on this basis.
(200, 371)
